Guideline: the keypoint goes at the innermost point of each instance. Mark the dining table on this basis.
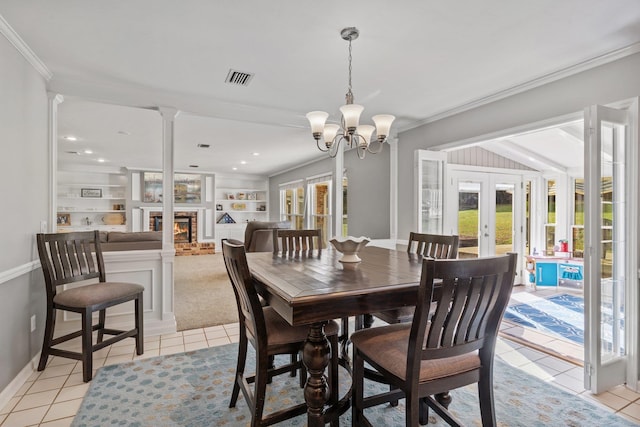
(312, 289)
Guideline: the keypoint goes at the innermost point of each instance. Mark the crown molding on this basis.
(24, 49)
(532, 84)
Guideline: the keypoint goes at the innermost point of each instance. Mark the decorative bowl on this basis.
(349, 247)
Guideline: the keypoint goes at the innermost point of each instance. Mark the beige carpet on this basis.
(203, 294)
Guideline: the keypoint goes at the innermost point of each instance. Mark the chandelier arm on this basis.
(380, 146)
(320, 147)
(335, 145)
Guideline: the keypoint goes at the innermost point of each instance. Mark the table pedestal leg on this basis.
(315, 356)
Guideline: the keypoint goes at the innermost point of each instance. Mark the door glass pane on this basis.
(432, 172)
(321, 209)
(527, 214)
(550, 226)
(612, 204)
(468, 219)
(504, 218)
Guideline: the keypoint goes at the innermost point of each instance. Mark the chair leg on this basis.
(423, 418)
(294, 359)
(485, 394)
(260, 389)
(242, 359)
(87, 346)
(139, 313)
(272, 365)
(101, 321)
(413, 409)
(333, 376)
(357, 398)
(48, 337)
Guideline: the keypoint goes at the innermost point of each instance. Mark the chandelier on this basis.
(329, 136)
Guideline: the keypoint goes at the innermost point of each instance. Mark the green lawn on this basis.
(468, 224)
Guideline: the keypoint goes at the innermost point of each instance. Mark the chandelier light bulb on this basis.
(351, 115)
(317, 120)
(330, 132)
(383, 125)
(365, 132)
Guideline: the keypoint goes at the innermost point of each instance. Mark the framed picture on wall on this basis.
(63, 219)
(91, 192)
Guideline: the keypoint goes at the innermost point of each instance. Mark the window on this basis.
(577, 228)
(550, 224)
(292, 204)
(320, 206)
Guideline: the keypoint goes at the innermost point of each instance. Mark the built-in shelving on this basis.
(91, 201)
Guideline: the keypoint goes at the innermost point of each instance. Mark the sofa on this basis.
(258, 236)
(130, 241)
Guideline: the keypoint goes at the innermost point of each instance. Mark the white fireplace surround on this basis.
(141, 220)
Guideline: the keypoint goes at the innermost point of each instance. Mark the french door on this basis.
(487, 213)
(611, 264)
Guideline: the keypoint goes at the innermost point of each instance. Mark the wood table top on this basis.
(316, 288)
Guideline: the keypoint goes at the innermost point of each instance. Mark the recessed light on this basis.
(88, 151)
(234, 168)
(256, 154)
(242, 162)
(194, 166)
(204, 145)
(70, 138)
(101, 160)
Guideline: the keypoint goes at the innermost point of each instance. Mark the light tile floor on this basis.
(52, 397)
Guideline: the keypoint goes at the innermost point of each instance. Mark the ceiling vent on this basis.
(240, 78)
(204, 145)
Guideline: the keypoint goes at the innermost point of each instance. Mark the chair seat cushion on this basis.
(387, 347)
(98, 293)
(280, 332)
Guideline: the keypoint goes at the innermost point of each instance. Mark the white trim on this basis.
(24, 49)
(531, 84)
(12, 388)
(18, 271)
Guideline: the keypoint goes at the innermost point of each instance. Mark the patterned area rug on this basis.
(560, 315)
(193, 389)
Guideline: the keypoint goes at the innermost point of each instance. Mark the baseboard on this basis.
(12, 388)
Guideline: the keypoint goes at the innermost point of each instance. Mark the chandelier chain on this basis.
(350, 68)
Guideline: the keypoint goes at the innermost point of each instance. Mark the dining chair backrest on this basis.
(297, 242)
(250, 314)
(436, 246)
(473, 298)
(68, 258)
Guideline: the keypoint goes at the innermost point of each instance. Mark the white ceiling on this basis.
(415, 59)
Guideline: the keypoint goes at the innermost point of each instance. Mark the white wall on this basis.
(608, 83)
(24, 194)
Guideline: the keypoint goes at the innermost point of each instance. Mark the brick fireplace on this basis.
(186, 233)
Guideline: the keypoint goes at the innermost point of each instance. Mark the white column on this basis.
(393, 188)
(168, 251)
(338, 191)
(54, 100)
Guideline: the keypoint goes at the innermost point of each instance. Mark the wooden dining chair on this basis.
(297, 242)
(439, 350)
(270, 335)
(66, 259)
(434, 246)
